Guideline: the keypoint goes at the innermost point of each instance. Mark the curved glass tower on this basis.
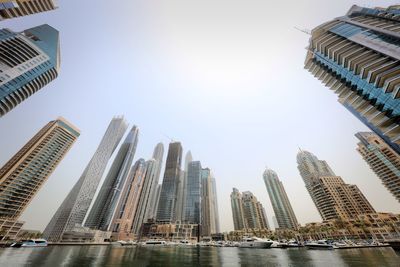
(75, 206)
(103, 209)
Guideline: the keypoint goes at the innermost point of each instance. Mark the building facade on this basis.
(382, 159)
(333, 198)
(17, 8)
(280, 202)
(106, 202)
(193, 193)
(122, 223)
(27, 171)
(215, 228)
(239, 222)
(75, 206)
(30, 61)
(252, 211)
(357, 56)
(167, 204)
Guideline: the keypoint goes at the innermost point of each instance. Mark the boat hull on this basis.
(256, 245)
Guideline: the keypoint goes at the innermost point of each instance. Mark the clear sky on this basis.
(225, 78)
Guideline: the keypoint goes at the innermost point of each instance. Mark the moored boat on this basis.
(254, 242)
(30, 243)
(320, 244)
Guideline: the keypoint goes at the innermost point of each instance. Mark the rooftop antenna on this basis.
(306, 31)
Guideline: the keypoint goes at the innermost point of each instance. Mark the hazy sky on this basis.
(225, 78)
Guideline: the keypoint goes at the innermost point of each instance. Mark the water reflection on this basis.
(193, 256)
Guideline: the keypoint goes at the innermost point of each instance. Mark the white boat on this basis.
(275, 244)
(320, 244)
(30, 243)
(155, 243)
(254, 242)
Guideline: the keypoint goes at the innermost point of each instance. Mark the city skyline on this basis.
(226, 166)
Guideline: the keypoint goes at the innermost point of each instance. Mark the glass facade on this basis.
(75, 206)
(358, 57)
(30, 61)
(193, 193)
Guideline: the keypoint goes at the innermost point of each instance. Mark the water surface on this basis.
(194, 256)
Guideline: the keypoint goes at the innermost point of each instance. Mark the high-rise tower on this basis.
(123, 222)
(239, 222)
(26, 172)
(280, 202)
(16, 8)
(29, 61)
(333, 198)
(382, 159)
(193, 194)
(158, 155)
(253, 211)
(103, 209)
(168, 197)
(358, 57)
(75, 206)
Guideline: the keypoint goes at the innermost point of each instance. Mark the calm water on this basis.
(193, 256)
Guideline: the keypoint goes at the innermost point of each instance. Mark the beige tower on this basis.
(25, 173)
(338, 200)
(17, 8)
(125, 214)
(382, 159)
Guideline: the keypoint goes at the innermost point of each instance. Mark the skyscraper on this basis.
(194, 193)
(158, 155)
(183, 195)
(168, 196)
(357, 56)
(16, 8)
(75, 206)
(123, 221)
(214, 207)
(103, 209)
(252, 211)
(382, 159)
(29, 61)
(280, 202)
(148, 193)
(206, 208)
(26, 172)
(333, 198)
(239, 222)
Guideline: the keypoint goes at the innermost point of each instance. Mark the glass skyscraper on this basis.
(75, 206)
(382, 159)
(280, 202)
(167, 204)
(27, 171)
(193, 193)
(29, 60)
(16, 8)
(103, 209)
(358, 57)
(147, 196)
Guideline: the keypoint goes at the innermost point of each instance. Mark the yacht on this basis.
(320, 244)
(254, 242)
(30, 243)
(155, 243)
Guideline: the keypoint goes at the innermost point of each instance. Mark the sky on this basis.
(225, 78)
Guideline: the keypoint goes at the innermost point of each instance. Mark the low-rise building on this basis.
(378, 226)
(170, 231)
(80, 234)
